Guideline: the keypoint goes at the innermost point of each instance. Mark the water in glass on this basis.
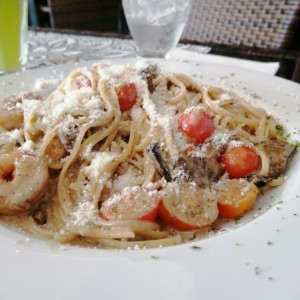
(156, 25)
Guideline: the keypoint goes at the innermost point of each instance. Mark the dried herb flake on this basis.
(196, 247)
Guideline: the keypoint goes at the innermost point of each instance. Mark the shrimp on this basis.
(23, 179)
(11, 117)
(56, 150)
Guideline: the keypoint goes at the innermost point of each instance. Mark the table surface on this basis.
(51, 48)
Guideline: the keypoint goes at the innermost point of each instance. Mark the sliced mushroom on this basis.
(160, 164)
(203, 171)
(279, 153)
(148, 74)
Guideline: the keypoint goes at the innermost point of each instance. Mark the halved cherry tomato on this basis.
(151, 216)
(185, 206)
(240, 161)
(170, 219)
(237, 198)
(132, 203)
(127, 95)
(82, 81)
(196, 124)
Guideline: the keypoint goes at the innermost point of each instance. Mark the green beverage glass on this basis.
(13, 35)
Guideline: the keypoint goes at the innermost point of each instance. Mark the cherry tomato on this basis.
(82, 81)
(237, 199)
(168, 218)
(240, 161)
(196, 125)
(185, 206)
(131, 204)
(151, 216)
(127, 96)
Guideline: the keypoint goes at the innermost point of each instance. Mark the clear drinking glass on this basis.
(13, 35)
(156, 25)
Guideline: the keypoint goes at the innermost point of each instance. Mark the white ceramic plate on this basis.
(259, 258)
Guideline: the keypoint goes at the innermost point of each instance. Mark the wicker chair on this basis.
(92, 15)
(258, 29)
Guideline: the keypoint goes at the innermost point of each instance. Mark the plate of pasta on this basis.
(149, 178)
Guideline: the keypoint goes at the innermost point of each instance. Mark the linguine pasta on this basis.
(120, 169)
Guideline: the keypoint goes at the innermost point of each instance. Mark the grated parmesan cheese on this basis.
(98, 161)
(130, 179)
(84, 214)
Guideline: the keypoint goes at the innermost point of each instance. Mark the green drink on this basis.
(13, 35)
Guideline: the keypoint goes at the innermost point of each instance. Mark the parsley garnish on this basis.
(154, 257)
(209, 200)
(279, 127)
(196, 247)
(288, 135)
(255, 96)
(258, 270)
